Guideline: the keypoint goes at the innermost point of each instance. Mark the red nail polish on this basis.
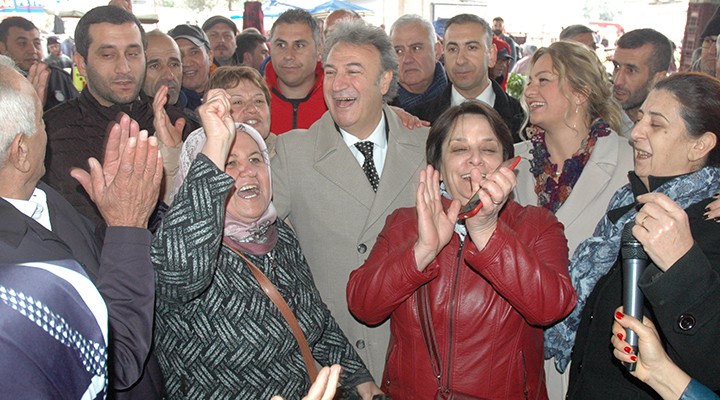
(619, 315)
(634, 358)
(628, 349)
(620, 336)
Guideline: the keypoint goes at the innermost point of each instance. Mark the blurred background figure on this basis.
(55, 56)
(581, 34)
(221, 32)
(251, 49)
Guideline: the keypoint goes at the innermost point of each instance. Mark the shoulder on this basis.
(528, 216)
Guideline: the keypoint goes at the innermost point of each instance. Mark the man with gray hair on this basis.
(39, 225)
(422, 76)
(581, 34)
(340, 179)
(469, 52)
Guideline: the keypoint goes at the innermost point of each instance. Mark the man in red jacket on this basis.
(294, 73)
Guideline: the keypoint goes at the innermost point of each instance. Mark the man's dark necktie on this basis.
(366, 148)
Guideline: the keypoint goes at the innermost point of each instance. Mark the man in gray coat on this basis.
(338, 180)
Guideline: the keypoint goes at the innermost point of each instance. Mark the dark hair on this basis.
(661, 55)
(499, 19)
(229, 76)
(299, 16)
(574, 30)
(699, 96)
(103, 14)
(446, 122)
(474, 19)
(14, 22)
(246, 42)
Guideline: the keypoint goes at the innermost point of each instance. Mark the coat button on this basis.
(686, 322)
(361, 248)
(360, 344)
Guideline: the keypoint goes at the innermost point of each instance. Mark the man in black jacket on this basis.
(20, 40)
(468, 53)
(110, 54)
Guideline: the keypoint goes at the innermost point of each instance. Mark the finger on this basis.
(179, 127)
(661, 200)
(84, 179)
(424, 123)
(321, 383)
(454, 210)
(332, 384)
(141, 168)
(160, 98)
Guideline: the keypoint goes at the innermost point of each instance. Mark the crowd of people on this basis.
(217, 212)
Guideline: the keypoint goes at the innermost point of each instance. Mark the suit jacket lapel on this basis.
(401, 163)
(335, 162)
(593, 180)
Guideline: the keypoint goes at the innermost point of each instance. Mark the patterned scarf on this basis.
(258, 237)
(439, 83)
(595, 256)
(552, 193)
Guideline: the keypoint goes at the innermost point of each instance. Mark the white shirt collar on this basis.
(487, 96)
(36, 207)
(379, 139)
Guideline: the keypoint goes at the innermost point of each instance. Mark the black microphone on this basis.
(634, 262)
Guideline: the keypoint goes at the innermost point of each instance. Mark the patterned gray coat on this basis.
(217, 334)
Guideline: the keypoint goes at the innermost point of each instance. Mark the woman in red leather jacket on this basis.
(494, 280)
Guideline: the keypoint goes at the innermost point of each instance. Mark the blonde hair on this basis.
(581, 68)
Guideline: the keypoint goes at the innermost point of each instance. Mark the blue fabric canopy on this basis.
(333, 5)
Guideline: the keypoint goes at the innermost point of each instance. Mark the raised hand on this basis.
(496, 187)
(324, 386)
(170, 135)
(38, 75)
(126, 187)
(663, 229)
(218, 125)
(712, 211)
(435, 225)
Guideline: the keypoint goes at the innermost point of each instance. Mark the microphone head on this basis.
(631, 247)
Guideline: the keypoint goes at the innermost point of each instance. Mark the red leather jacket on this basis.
(488, 307)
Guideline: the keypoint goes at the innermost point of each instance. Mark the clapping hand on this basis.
(496, 187)
(170, 135)
(125, 188)
(435, 225)
(39, 75)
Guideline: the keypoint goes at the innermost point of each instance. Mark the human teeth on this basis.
(247, 187)
(466, 176)
(536, 104)
(642, 154)
(251, 121)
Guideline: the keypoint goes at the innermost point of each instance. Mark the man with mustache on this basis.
(642, 57)
(469, 52)
(110, 54)
(221, 32)
(20, 40)
(197, 62)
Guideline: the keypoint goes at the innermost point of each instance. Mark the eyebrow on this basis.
(657, 114)
(465, 43)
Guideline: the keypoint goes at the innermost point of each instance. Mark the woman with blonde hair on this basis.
(574, 160)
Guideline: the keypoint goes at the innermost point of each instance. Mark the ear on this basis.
(80, 62)
(657, 78)
(246, 58)
(18, 155)
(385, 80)
(702, 146)
(211, 55)
(492, 51)
(581, 96)
(438, 51)
(3, 49)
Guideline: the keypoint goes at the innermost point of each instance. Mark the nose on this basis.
(245, 169)
(122, 65)
(638, 131)
(339, 82)
(530, 90)
(167, 73)
(475, 159)
(619, 77)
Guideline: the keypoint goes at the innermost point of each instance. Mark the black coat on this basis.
(684, 304)
(508, 108)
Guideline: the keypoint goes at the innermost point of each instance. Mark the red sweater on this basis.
(288, 114)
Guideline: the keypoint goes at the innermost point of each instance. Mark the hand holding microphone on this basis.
(634, 261)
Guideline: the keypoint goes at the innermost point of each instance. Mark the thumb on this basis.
(180, 125)
(454, 209)
(90, 181)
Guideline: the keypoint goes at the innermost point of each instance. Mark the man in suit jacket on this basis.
(469, 53)
(319, 182)
(39, 225)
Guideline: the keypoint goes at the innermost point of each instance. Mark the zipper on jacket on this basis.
(296, 106)
(525, 376)
(452, 311)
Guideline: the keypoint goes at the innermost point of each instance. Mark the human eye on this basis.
(451, 49)
(194, 52)
(175, 64)
(330, 72)
(230, 163)
(153, 65)
(473, 47)
(260, 100)
(399, 51)
(255, 160)
(417, 48)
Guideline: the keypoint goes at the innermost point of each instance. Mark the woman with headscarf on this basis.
(218, 335)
